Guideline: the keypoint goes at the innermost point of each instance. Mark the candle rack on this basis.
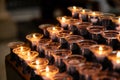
(70, 44)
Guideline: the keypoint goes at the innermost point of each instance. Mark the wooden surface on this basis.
(13, 72)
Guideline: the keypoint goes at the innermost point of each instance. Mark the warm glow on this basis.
(100, 48)
(28, 54)
(47, 69)
(37, 62)
(63, 19)
(93, 14)
(53, 29)
(118, 61)
(118, 54)
(83, 11)
(74, 7)
(47, 72)
(34, 36)
(21, 48)
(119, 20)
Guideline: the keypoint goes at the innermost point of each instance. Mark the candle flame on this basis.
(63, 19)
(28, 54)
(118, 54)
(93, 14)
(47, 72)
(21, 48)
(100, 48)
(53, 28)
(83, 11)
(47, 69)
(118, 57)
(74, 7)
(37, 62)
(34, 36)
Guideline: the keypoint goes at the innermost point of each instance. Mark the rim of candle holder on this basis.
(52, 69)
(81, 59)
(108, 32)
(15, 44)
(109, 49)
(90, 68)
(97, 13)
(31, 36)
(44, 41)
(42, 63)
(51, 46)
(74, 38)
(45, 26)
(95, 28)
(81, 43)
(56, 27)
(17, 49)
(85, 10)
(74, 22)
(61, 53)
(64, 33)
(116, 19)
(67, 18)
(70, 8)
(106, 75)
(83, 25)
(33, 53)
(115, 58)
(107, 15)
(62, 76)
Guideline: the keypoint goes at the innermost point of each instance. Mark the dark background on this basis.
(47, 9)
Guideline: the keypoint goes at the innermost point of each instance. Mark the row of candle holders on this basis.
(80, 48)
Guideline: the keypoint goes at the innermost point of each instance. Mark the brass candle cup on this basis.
(114, 57)
(83, 14)
(74, 11)
(101, 51)
(64, 21)
(89, 69)
(106, 75)
(94, 17)
(53, 31)
(38, 63)
(21, 50)
(44, 27)
(74, 61)
(49, 71)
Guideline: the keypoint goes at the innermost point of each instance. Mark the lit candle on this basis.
(54, 31)
(30, 56)
(22, 50)
(106, 20)
(94, 17)
(75, 11)
(101, 51)
(34, 38)
(38, 63)
(49, 72)
(118, 37)
(83, 14)
(116, 20)
(64, 21)
(115, 59)
(44, 27)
